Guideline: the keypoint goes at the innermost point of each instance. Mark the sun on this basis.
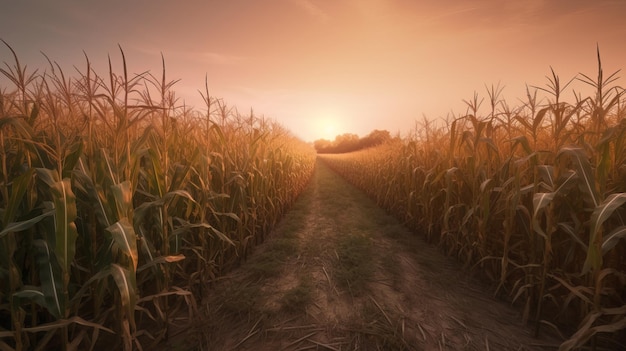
(326, 128)
(330, 131)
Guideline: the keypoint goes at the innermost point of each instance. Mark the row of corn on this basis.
(532, 197)
(119, 205)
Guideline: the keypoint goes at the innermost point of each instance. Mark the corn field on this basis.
(119, 206)
(531, 197)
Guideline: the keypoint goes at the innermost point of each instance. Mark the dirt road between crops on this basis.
(339, 274)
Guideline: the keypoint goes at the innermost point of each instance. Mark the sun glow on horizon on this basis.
(326, 127)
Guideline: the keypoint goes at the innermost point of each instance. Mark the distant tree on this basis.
(376, 137)
(349, 142)
(322, 144)
(346, 142)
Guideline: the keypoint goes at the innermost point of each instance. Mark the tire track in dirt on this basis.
(340, 274)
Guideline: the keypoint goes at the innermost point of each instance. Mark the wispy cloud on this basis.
(312, 9)
(208, 57)
(437, 16)
(219, 58)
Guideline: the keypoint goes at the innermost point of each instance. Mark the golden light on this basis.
(326, 127)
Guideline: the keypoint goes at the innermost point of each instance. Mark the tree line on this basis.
(349, 142)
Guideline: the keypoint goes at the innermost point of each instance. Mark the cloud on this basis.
(210, 57)
(218, 58)
(312, 9)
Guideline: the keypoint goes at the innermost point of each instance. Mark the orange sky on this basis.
(329, 66)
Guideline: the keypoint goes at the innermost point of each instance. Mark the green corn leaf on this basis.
(150, 255)
(156, 174)
(47, 176)
(51, 279)
(540, 201)
(605, 210)
(65, 215)
(611, 240)
(170, 196)
(107, 167)
(86, 286)
(598, 217)
(23, 225)
(85, 183)
(187, 226)
(70, 161)
(546, 174)
(568, 180)
(585, 173)
(161, 260)
(177, 181)
(146, 246)
(18, 189)
(28, 294)
(569, 229)
(123, 195)
(125, 237)
(178, 193)
(126, 284)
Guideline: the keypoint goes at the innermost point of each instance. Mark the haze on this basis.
(327, 67)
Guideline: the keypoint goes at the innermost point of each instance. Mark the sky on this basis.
(327, 67)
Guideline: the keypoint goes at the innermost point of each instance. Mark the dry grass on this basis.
(354, 267)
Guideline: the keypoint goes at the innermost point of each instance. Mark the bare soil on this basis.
(338, 273)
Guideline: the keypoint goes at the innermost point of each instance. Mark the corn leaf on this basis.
(47, 176)
(28, 294)
(23, 225)
(587, 330)
(187, 226)
(569, 229)
(83, 181)
(18, 189)
(18, 123)
(70, 161)
(170, 196)
(125, 237)
(125, 281)
(568, 180)
(51, 279)
(65, 215)
(598, 217)
(540, 201)
(612, 238)
(585, 173)
(539, 118)
(63, 323)
(178, 179)
(523, 141)
(161, 260)
(546, 174)
(122, 192)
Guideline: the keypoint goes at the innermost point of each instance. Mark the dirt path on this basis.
(339, 274)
